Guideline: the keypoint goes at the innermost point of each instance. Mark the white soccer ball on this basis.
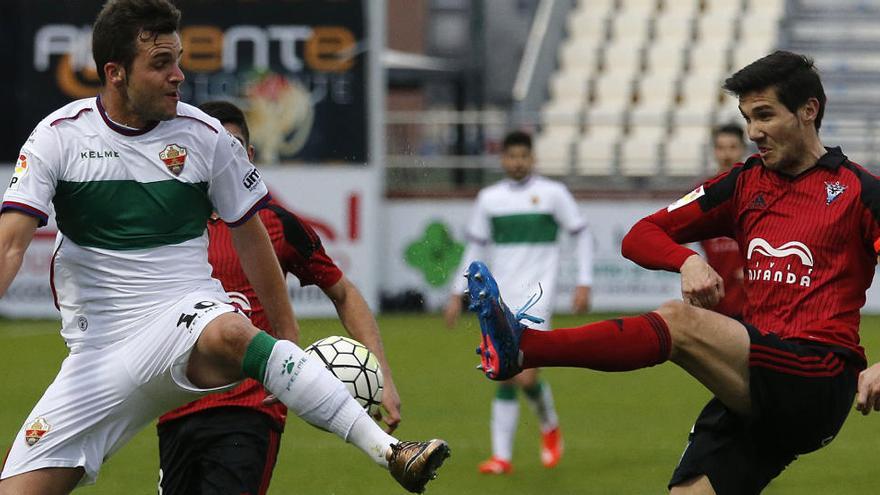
(354, 365)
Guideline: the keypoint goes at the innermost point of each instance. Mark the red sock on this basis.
(612, 345)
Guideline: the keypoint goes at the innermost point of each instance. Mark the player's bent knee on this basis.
(217, 356)
(682, 320)
(227, 336)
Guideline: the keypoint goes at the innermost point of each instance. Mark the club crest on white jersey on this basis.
(174, 157)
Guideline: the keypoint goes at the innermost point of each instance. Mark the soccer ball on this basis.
(354, 365)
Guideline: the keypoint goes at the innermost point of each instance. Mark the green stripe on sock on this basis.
(534, 393)
(506, 392)
(257, 355)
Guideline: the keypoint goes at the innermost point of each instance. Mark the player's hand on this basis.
(452, 311)
(582, 298)
(390, 405)
(270, 399)
(701, 286)
(868, 396)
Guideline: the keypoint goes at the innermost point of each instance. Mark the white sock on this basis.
(370, 438)
(505, 416)
(308, 389)
(544, 407)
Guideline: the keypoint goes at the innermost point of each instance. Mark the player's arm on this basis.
(359, 322)
(16, 232)
(868, 397)
(584, 258)
(569, 215)
(655, 242)
(263, 271)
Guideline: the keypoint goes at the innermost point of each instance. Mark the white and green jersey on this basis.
(131, 208)
(515, 228)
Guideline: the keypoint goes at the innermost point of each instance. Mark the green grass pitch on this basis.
(624, 432)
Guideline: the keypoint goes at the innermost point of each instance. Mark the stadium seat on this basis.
(594, 5)
(648, 6)
(553, 150)
(613, 91)
(623, 57)
(686, 155)
(699, 92)
(709, 58)
(772, 8)
(562, 112)
(588, 25)
(570, 85)
(596, 151)
(747, 51)
(665, 56)
(656, 97)
(681, 7)
(640, 152)
(716, 29)
(673, 27)
(633, 26)
(729, 8)
(579, 55)
(759, 26)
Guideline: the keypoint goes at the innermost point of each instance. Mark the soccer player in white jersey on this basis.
(133, 176)
(515, 228)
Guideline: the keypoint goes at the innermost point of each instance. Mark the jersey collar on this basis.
(832, 159)
(125, 131)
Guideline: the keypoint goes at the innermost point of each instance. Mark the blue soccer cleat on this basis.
(499, 350)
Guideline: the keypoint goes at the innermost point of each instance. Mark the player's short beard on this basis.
(143, 108)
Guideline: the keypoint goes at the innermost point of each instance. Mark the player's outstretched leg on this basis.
(306, 387)
(414, 464)
(499, 348)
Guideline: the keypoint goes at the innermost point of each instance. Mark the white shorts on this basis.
(102, 397)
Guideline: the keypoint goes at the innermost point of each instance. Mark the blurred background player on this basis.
(515, 227)
(722, 253)
(228, 442)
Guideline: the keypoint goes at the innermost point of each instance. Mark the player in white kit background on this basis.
(516, 228)
(132, 177)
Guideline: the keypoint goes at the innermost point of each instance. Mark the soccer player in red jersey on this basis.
(806, 222)
(227, 443)
(722, 253)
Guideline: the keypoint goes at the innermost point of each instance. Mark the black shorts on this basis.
(225, 450)
(801, 394)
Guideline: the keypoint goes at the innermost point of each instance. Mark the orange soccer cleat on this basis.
(551, 447)
(495, 465)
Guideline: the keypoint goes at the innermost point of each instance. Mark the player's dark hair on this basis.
(793, 76)
(121, 23)
(227, 113)
(732, 129)
(517, 138)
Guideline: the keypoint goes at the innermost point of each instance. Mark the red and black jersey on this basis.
(300, 253)
(809, 243)
(722, 254)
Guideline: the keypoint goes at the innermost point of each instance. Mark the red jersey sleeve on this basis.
(302, 252)
(655, 242)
